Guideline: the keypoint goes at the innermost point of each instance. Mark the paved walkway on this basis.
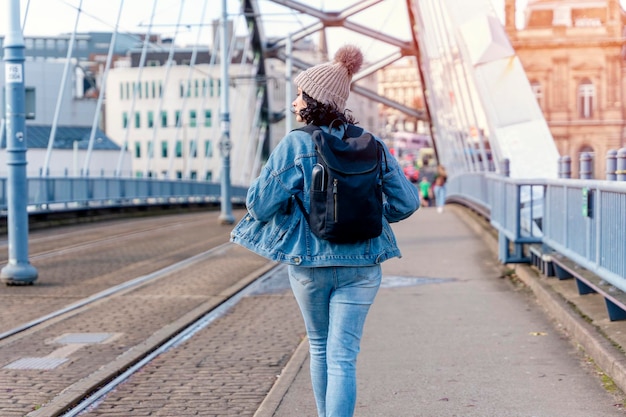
(449, 336)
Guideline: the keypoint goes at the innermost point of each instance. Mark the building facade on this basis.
(573, 53)
(169, 120)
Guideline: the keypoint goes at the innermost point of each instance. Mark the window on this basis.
(137, 120)
(164, 149)
(586, 95)
(208, 176)
(193, 148)
(150, 119)
(125, 120)
(207, 118)
(179, 121)
(150, 150)
(179, 149)
(208, 148)
(137, 150)
(192, 118)
(163, 118)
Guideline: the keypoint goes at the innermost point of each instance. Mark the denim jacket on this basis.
(275, 227)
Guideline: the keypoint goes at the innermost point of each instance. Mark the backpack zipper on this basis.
(335, 198)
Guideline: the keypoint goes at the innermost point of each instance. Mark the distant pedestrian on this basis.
(424, 187)
(333, 283)
(439, 188)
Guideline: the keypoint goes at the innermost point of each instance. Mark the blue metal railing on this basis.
(584, 220)
(58, 193)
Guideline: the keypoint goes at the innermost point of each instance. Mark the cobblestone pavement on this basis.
(52, 365)
(226, 369)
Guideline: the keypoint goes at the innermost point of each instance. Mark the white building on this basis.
(75, 114)
(169, 120)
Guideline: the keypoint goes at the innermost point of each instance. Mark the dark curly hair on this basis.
(321, 114)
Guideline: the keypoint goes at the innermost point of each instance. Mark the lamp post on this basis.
(18, 271)
(226, 216)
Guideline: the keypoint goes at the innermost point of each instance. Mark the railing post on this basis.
(505, 167)
(226, 215)
(566, 167)
(611, 165)
(584, 171)
(18, 271)
(621, 165)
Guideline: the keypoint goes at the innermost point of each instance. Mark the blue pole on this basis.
(226, 216)
(18, 271)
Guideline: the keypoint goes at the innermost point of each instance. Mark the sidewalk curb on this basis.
(273, 399)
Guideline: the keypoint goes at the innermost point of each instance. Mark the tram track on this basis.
(78, 240)
(109, 292)
(93, 398)
(143, 314)
(88, 389)
(97, 260)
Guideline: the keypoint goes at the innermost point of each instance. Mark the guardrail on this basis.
(58, 193)
(568, 227)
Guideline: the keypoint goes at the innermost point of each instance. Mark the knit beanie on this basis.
(330, 82)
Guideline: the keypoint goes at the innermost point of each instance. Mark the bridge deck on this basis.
(447, 334)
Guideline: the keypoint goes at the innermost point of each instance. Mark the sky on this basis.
(51, 17)
(54, 17)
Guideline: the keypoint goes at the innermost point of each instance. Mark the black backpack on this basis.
(346, 186)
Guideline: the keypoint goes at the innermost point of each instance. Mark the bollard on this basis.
(611, 165)
(505, 167)
(566, 167)
(621, 165)
(585, 167)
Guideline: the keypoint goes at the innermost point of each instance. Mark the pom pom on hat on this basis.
(330, 82)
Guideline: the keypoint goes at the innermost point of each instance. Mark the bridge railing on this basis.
(584, 220)
(58, 193)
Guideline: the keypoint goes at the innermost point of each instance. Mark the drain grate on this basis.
(83, 338)
(36, 363)
(70, 341)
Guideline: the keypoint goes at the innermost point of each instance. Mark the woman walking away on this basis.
(439, 187)
(333, 283)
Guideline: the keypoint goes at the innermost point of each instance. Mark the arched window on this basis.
(586, 98)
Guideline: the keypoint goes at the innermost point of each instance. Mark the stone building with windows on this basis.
(400, 82)
(573, 52)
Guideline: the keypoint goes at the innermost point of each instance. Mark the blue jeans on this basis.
(334, 302)
(440, 195)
